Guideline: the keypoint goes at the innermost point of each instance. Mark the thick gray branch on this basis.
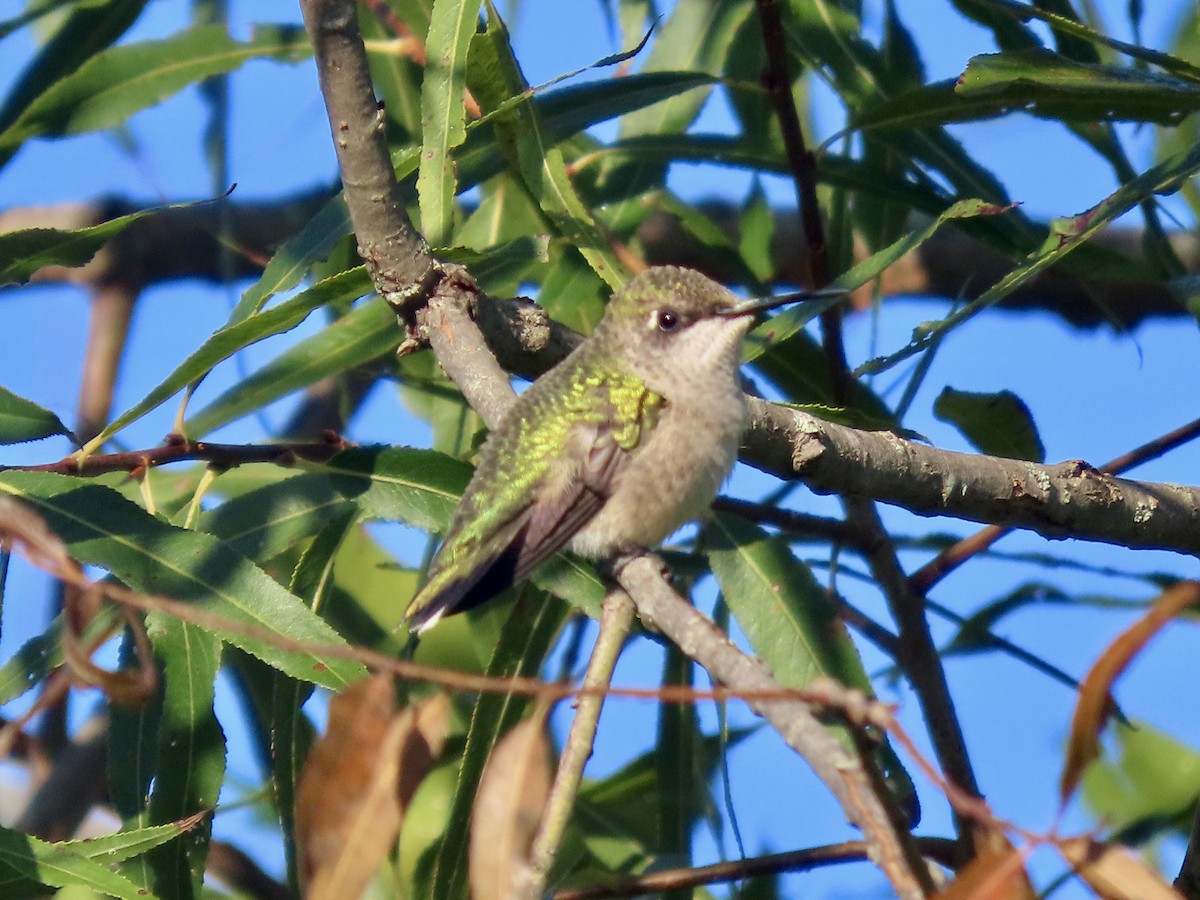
(396, 256)
(1070, 499)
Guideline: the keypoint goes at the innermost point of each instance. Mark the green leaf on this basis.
(23, 253)
(26, 862)
(104, 529)
(625, 804)
(88, 30)
(262, 523)
(1150, 786)
(365, 333)
(443, 127)
(228, 340)
(125, 844)
(396, 76)
(296, 257)
(677, 763)
(132, 767)
(998, 424)
(23, 420)
(784, 613)
(758, 234)
(419, 487)
(191, 751)
(114, 84)
(1066, 236)
(1052, 86)
(495, 77)
(1063, 26)
(789, 621)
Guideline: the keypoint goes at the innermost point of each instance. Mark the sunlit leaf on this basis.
(443, 126)
(24, 253)
(26, 862)
(115, 83)
(228, 340)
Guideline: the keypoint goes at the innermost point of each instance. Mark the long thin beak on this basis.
(758, 304)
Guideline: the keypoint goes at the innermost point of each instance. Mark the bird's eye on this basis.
(668, 320)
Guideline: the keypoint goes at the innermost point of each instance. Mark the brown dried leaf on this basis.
(347, 811)
(1095, 691)
(424, 727)
(508, 808)
(1115, 872)
(124, 687)
(24, 530)
(996, 873)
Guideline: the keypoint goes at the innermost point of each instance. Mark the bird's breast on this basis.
(672, 475)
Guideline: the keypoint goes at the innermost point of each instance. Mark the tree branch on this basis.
(397, 258)
(1070, 499)
(183, 242)
(661, 609)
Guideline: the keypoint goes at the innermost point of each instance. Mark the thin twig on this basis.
(796, 523)
(178, 449)
(840, 769)
(918, 658)
(938, 849)
(615, 621)
(917, 655)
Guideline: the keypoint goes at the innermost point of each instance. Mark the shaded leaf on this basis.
(524, 642)
(228, 340)
(347, 808)
(1066, 235)
(998, 424)
(102, 528)
(508, 808)
(1095, 700)
(190, 765)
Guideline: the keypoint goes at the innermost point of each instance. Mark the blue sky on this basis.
(1093, 396)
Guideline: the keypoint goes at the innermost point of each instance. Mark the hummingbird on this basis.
(613, 449)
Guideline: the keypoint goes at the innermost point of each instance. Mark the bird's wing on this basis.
(531, 535)
(556, 517)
